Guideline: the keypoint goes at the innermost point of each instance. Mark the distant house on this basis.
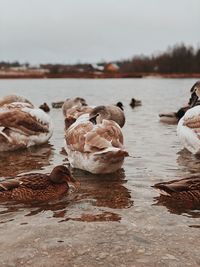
(111, 67)
(97, 67)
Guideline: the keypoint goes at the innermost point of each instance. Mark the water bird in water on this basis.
(120, 105)
(173, 117)
(183, 193)
(109, 112)
(188, 129)
(95, 144)
(44, 107)
(22, 125)
(71, 105)
(135, 103)
(37, 186)
(58, 104)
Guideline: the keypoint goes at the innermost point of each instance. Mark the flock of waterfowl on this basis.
(93, 141)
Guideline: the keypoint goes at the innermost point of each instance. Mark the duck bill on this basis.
(193, 100)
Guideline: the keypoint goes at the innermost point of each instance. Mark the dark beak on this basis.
(193, 100)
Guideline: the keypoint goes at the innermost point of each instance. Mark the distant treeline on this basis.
(177, 59)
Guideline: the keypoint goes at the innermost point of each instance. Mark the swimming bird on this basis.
(173, 117)
(135, 103)
(22, 125)
(187, 189)
(110, 112)
(120, 105)
(73, 103)
(44, 107)
(38, 186)
(188, 128)
(8, 99)
(95, 146)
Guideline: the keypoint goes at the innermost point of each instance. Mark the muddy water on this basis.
(117, 219)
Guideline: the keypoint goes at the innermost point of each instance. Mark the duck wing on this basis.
(36, 181)
(87, 137)
(22, 121)
(177, 186)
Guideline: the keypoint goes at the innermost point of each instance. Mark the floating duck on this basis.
(37, 186)
(95, 145)
(110, 112)
(72, 104)
(22, 125)
(58, 104)
(135, 103)
(188, 129)
(44, 107)
(186, 188)
(173, 117)
(13, 98)
(120, 105)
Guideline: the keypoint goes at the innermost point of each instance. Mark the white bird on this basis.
(94, 146)
(22, 125)
(188, 128)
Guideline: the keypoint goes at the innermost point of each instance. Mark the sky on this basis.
(72, 31)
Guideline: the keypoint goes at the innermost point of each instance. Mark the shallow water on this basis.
(115, 219)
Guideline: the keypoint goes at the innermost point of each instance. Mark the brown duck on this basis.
(186, 189)
(37, 186)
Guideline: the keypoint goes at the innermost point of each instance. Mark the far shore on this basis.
(94, 75)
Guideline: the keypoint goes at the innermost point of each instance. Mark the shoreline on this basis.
(91, 75)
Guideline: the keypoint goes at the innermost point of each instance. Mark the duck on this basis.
(37, 186)
(58, 104)
(173, 117)
(188, 129)
(73, 104)
(45, 107)
(120, 105)
(95, 145)
(187, 189)
(22, 125)
(109, 112)
(8, 99)
(135, 103)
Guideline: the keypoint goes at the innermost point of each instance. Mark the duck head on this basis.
(195, 94)
(61, 174)
(98, 114)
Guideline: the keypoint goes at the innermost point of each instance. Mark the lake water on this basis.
(117, 219)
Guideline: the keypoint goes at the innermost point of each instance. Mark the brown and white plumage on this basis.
(72, 104)
(110, 112)
(22, 126)
(95, 147)
(13, 98)
(37, 186)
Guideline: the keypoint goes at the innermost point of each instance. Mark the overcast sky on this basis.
(68, 31)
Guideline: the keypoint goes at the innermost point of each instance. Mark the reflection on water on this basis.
(103, 191)
(180, 206)
(189, 162)
(25, 160)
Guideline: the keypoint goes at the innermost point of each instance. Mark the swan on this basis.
(188, 128)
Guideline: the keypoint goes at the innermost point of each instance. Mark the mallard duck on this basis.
(38, 186)
(109, 112)
(95, 146)
(44, 107)
(135, 103)
(187, 189)
(188, 129)
(173, 117)
(120, 105)
(22, 126)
